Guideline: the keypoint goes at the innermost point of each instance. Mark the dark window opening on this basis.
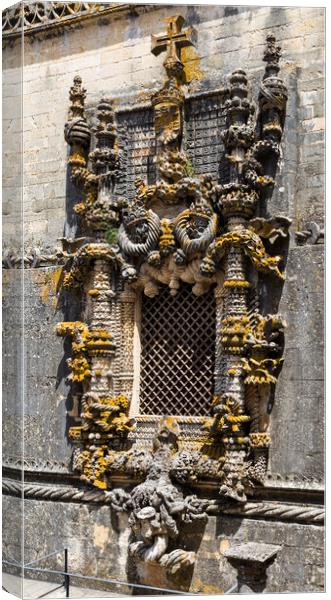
(177, 353)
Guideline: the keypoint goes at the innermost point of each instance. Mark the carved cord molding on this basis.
(213, 237)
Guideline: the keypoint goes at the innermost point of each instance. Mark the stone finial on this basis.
(77, 95)
(251, 561)
(239, 133)
(104, 157)
(105, 130)
(273, 94)
(272, 55)
(76, 130)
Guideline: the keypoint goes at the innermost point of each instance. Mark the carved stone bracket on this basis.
(157, 506)
(251, 561)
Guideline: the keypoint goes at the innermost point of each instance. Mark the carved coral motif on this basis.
(252, 246)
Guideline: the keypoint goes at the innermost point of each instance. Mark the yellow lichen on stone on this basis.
(80, 208)
(80, 368)
(191, 62)
(199, 587)
(75, 433)
(50, 285)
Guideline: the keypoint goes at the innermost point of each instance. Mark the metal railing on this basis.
(68, 576)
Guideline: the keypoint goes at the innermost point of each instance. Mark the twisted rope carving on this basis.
(269, 510)
(306, 514)
(199, 244)
(138, 249)
(61, 494)
(274, 95)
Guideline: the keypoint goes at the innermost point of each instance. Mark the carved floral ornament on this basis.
(213, 238)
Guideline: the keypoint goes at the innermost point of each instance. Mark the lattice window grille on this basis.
(177, 353)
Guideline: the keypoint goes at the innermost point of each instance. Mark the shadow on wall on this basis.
(70, 307)
(133, 26)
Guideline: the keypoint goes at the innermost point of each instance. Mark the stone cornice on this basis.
(44, 16)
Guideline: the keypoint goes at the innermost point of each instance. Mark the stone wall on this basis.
(113, 57)
(98, 544)
(121, 65)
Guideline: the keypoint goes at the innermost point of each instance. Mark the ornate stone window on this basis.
(190, 249)
(177, 353)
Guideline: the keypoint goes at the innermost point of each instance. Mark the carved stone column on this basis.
(250, 343)
(100, 346)
(92, 269)
(233, 327)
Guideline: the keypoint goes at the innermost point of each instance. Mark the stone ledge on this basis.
(252, 552)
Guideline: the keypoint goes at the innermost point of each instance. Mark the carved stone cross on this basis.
(174, 38)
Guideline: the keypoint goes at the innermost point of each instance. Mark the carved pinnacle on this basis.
(272, 55)
(77, 95)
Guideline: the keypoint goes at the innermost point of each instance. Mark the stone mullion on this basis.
(116, 335)
(127, 302)
(219, 356)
